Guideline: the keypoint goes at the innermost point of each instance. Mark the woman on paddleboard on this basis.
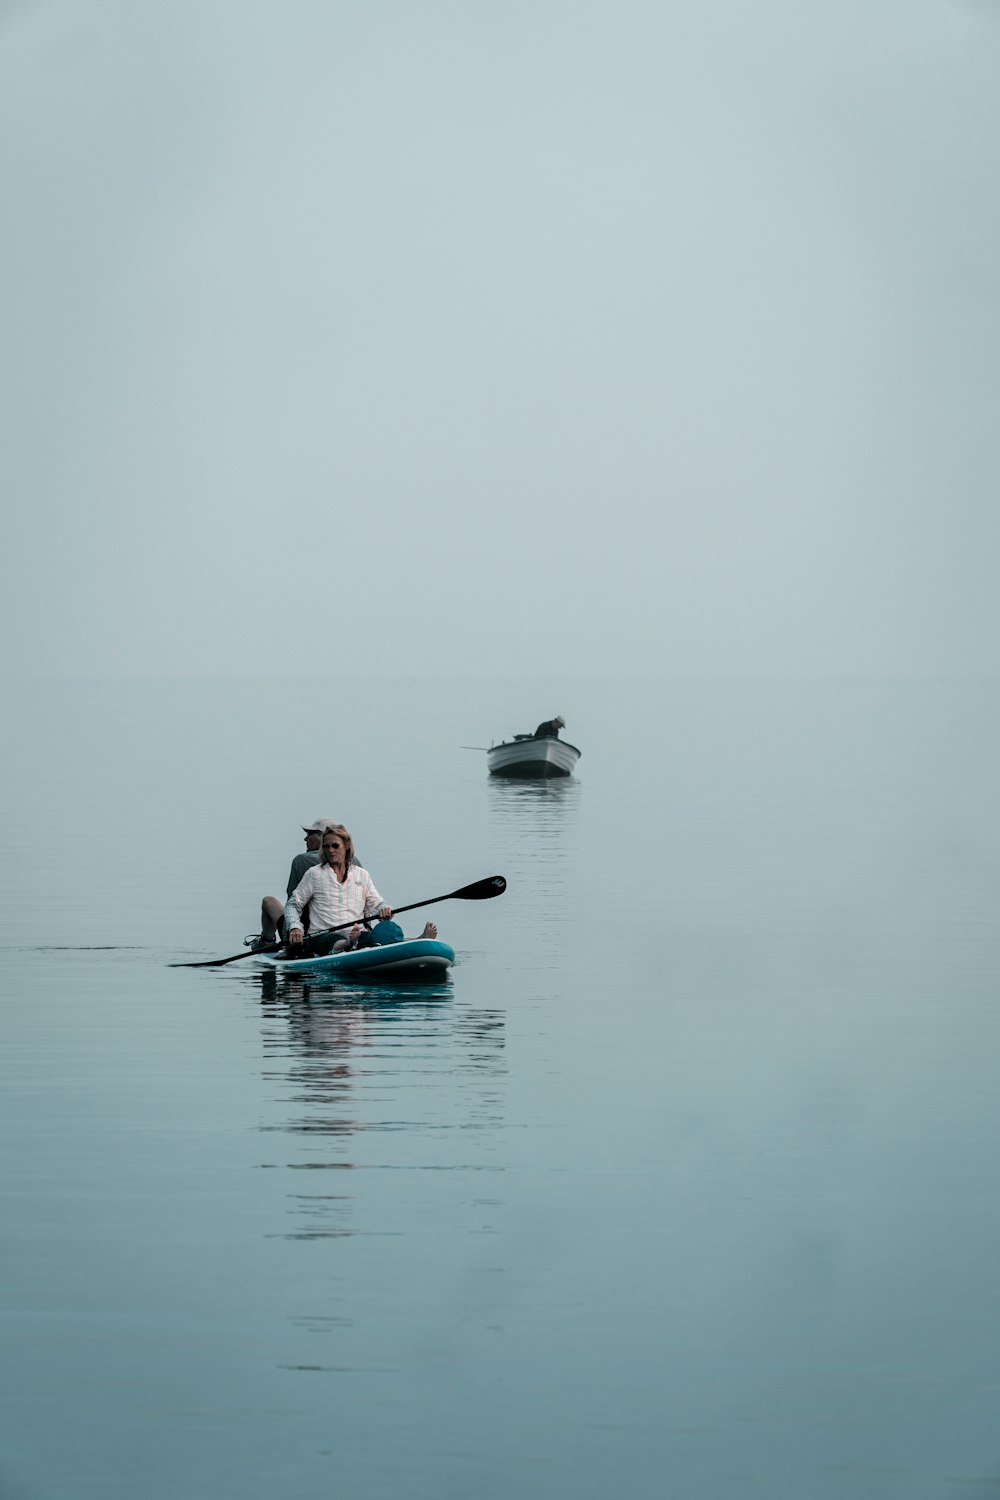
(339, 891)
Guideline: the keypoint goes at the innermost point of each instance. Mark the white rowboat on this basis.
(525, 755)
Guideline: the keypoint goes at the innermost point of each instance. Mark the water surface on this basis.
(684, 1184)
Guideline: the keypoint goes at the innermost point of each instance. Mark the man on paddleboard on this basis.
(271, 909)
(303, 862)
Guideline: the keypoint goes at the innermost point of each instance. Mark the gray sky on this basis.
(554, 338)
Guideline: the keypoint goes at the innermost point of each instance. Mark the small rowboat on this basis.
(421, 958)
(525, 755)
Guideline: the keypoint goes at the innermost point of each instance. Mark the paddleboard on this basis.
(420, 958)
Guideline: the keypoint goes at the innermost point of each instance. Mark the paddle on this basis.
(479, 890)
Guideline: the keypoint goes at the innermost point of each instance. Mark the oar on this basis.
(480, 890)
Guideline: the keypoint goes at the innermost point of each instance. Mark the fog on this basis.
(494, 338)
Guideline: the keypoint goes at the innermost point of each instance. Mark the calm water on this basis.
(685, 1185)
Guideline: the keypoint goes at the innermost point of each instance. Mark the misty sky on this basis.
(478, 336)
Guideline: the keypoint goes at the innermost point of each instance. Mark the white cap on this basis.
(559, 720)
(320, 825)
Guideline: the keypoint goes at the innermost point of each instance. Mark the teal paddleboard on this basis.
(421, 958)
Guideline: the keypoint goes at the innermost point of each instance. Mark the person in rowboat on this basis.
(338, 890)
(549, 730)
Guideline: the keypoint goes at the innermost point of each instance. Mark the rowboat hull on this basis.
(421, 958)
(526, 756)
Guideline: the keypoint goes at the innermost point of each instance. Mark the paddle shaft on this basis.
(323, 931)
(480, 890)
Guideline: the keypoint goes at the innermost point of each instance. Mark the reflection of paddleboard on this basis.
(422, 958)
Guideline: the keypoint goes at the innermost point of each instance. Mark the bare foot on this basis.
(430, 930)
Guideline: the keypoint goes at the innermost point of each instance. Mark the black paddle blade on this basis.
(480, 890)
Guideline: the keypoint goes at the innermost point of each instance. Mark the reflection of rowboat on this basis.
(525, 755)
(422, 958)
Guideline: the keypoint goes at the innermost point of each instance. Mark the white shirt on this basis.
(332, 903)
